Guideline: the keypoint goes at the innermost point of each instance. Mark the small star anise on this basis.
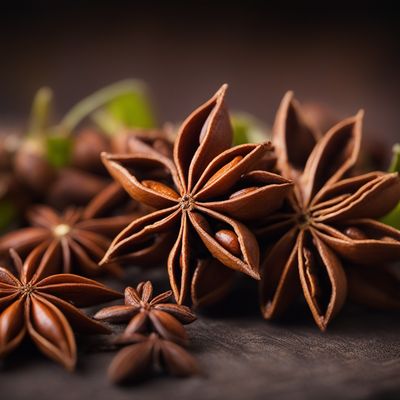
(82, 236)
(145, 313)
(208, 191)
(44, 306)
(149, 354)
(328, 222)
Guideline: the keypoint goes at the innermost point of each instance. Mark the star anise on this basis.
(149, 354)
(44, 306)
(158, 140)
(145, 313)
(81, 235)
(208, 191)
(327, 222)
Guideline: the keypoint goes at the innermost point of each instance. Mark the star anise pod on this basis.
(81, 235)
(158, 140)
(209, 190)
(147, 355)
(44, 306)
(145, 313)
(328, 221)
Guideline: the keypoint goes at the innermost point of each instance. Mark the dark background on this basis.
(345, 56)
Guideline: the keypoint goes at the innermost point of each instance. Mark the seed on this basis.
(161, 188)
(389, 239)
(229, 241)
(202, 222)
(355, 233)
(311, 276)
(204, 130)
(224, 169)
(242, 192)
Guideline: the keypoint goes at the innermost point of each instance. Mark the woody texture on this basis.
(37, 303)
(145, 313)
(81, 235)
(325, 243)
(203, 197)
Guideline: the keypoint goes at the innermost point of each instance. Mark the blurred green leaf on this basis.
(132, 110)
(393, 218)
(7, 214)
(40, 112)
(125, 101)
(248, 129)
(59, 150)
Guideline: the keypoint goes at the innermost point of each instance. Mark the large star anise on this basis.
(82, 236)
(328, 220)
(145, 313)
(207, 189)
(44, 306)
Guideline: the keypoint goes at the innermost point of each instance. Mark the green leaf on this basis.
(7, 214)
(248, 129)
(393, 218)
(126, 101)
(133, 110)
(58, 150)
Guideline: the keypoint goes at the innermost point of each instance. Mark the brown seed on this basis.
(355, 233)
(229, 241)
(88, 144)
(224, 169)
(242, 192)
(33, 169)
(311, 277)
(161, 188)
(203, 131)
(389, 239)
(202, 222)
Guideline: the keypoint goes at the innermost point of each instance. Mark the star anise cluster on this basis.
(326, 239)
(154, 332)
(294, 213)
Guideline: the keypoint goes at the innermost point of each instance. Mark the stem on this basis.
(40, 113)
(86, 106)
(106, 122)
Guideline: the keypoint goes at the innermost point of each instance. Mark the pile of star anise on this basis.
(105, 190)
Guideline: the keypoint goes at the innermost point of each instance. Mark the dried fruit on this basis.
(44, 306)
(197, 185)
(149, 354)
(146, 314)
(80, 236)
(328, 223)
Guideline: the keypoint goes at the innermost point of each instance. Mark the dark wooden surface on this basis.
(241, 356)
